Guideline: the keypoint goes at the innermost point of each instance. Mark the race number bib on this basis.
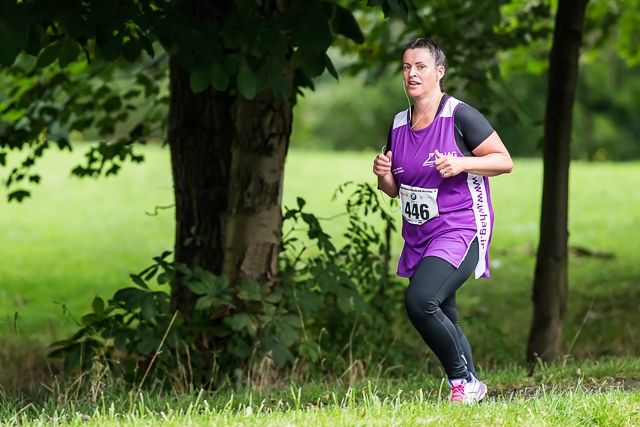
(419, 205)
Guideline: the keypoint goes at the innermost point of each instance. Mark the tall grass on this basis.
(76, 239)
(573, 395)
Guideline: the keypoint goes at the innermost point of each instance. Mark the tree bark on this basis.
(550, 287)
(200, 134)
(254, 223)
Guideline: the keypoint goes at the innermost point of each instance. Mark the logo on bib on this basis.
(413, 196)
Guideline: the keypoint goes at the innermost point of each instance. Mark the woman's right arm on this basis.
(386, 180)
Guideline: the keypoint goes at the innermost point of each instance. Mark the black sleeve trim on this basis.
(472, 128)
(388, 146)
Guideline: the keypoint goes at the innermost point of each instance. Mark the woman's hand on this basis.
(448, 166)
(382, 164)
(490, 158)
(386, 180)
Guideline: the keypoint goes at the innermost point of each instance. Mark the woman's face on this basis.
(421, 76)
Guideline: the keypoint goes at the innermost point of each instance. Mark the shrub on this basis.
(321, 292)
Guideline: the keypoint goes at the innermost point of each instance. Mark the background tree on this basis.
(606, 27)
(550, 287)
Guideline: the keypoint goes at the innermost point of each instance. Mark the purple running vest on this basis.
(441, 216)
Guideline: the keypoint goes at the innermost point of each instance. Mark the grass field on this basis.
(76, 239)
(572, 395)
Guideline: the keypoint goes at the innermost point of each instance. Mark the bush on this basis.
(313, 316)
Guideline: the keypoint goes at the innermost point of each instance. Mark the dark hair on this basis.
(438, 55)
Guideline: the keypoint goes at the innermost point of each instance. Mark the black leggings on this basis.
(431, 305)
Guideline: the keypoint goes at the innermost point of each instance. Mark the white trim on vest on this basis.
(482, 213)
(447, 111)
(400, 119)
(450, 107)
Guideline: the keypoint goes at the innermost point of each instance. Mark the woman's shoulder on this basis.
(463, 111)
(401, 119)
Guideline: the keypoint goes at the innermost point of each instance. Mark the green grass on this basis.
(570, 408)
(570, 395)
(76, 239)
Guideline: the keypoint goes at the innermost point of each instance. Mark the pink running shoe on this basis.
(467, 391)
(457, 390)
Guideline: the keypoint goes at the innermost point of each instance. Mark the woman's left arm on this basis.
(491, 159)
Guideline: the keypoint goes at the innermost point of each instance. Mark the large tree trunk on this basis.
(254, 224)
(550, 287)
(200, 134)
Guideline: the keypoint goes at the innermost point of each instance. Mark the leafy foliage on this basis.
(90, 68)
(62, 63)
(322, 290)
(41, 109)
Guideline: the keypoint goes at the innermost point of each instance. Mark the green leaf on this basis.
(232, 63)
(138, 281)
(206, 301)
(221, 331)
(34, 44)
(247, 83)
(18, 195)
(237, 346)
(399, 9)
(152, 272)
(148, 308)
(49, 54)
(72, 357)
(162, 278)
(131, 49)
(131, 297)
(98, 306)
(329, 65)
(309, 349)
(240, 321)
(112, 104)
(310, 303)
(301, 202)
(286, 334)
(120, 338)
(148, 342)
(69, 52)
(146, 45)
(345, 23)
(293, 320)
(312, 32)
(280, 354)
(8, 50)
(147, 83)
(110, 46)
(249, 290)
(198, 80)
(312, 63)
(274, 297)
(281, 87)
(218, 77)
(200, 288)
(90, 319)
